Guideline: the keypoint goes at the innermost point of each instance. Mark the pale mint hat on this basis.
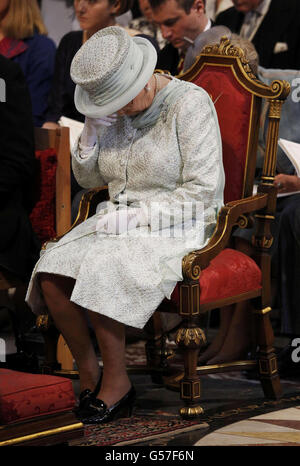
(111, 69)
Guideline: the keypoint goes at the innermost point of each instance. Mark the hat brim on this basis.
(85, 106)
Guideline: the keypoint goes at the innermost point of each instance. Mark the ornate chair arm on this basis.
(88, 203)
(235, 213)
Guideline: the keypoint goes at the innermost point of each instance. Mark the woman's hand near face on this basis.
(88, 136)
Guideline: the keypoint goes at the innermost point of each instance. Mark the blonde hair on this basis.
(23, 18)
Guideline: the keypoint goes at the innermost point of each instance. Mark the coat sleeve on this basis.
(39, 76)
(86, 170)
(61, 97)
(17, 161)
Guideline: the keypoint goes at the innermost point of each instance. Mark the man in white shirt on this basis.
(273, 26)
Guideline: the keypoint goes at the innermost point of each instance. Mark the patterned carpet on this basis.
(235, 413)
(138, 428)
(241, 426)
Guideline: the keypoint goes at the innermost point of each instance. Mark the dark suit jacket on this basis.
(168, 59)
(281, 24)
(18, 244)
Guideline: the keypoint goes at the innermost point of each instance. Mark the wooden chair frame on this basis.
(237, 213)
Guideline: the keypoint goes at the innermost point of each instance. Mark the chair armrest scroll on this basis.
(232, 214)
(88, 203)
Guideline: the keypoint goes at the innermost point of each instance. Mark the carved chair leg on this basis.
(267, 362)
(190, 338)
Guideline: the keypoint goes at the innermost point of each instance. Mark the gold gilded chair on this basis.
(218, 275)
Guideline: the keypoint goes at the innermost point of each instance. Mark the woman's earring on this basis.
(147, 88)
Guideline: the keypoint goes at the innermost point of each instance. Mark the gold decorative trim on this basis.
(186, 336)
(242, 221)
(275, 108)
(268, 178)
(45, 433)
(192, 294)
(190, 270)
(264, 311)
(262, 242)
(43, 322)
(66, 372)
(190, 390)
(268, 366)
(191, 411)
(226, 48)
(268, 217)
(226, 365)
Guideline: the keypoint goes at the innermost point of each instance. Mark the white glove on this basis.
(120, 221)
(88, 136)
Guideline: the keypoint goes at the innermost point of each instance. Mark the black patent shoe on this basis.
(99, 413)
(86, 397)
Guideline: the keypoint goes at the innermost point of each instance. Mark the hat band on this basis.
(120, 81)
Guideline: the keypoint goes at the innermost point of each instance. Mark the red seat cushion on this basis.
(229, 274)
(24, 396)
(42, 216)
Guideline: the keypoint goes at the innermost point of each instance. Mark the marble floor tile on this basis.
(216, 439)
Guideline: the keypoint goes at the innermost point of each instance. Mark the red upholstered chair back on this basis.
(237, 108)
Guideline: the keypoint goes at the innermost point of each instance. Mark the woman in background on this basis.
(23, 40)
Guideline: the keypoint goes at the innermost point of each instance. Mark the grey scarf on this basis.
(161, 101)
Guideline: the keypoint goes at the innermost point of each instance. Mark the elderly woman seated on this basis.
(155, 141)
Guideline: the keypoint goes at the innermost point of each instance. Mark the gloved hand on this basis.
(120, 221)
(88, 136)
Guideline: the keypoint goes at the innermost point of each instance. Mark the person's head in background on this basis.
(244, 6)
(146, 10)
(213, 36)
(94, 15)
(178, 19)
(249, 50)
(20, 19)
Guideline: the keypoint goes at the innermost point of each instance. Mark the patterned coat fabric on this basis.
(166, 167)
